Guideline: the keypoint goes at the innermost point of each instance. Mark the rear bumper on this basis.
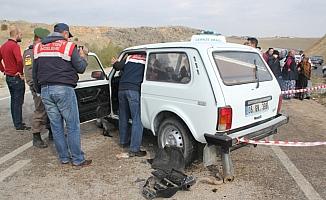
(255, 132)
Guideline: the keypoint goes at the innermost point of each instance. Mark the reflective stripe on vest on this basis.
(59, 48)
(135, 58)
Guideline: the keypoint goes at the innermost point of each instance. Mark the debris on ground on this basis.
(122, 155)
(167, 177)
(210, 181)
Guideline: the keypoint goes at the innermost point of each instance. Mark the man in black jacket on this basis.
(129, 101)
(56, 64)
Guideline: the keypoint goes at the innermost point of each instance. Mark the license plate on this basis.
(256, 108)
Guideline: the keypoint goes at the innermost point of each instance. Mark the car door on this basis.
(93, 91)
(248, 85)
(176, 81)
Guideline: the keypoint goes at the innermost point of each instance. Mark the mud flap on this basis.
(210, 155)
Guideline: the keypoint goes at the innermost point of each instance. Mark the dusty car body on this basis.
(203, 91)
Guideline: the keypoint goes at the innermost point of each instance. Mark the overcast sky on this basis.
(229, 17)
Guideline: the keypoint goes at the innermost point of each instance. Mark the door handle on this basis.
(91, 98)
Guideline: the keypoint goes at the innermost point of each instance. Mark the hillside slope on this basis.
(319, 48)
(108, 41)
(101, 35)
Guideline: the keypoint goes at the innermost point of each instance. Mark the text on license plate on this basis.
(256, 108)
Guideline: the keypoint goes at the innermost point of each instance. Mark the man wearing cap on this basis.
(40, 118)
(56, 64)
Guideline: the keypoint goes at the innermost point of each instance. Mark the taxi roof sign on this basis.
(208, 38)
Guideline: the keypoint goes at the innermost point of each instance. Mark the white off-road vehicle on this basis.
(202, 91)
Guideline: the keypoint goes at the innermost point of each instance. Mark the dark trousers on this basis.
(17, 91)
(302, 84)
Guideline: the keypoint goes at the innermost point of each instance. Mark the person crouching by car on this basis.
(132, 69)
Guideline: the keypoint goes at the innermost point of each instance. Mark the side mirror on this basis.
(98, 75)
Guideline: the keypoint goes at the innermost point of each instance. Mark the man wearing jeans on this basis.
(11, 56)
(129, 102)
(55, 68)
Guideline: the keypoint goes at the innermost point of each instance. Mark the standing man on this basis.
(40, 118)
(129, 102)
(56, 64)
(13, 69)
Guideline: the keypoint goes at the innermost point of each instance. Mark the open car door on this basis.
(93, 91)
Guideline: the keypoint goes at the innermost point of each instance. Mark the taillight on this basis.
(224, 118)
(279, 106)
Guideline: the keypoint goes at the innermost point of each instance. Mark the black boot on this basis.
(50, 135)
(38, 142)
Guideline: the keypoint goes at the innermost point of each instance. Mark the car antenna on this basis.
(256, 73)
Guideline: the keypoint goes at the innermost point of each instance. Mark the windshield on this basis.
(239, 67)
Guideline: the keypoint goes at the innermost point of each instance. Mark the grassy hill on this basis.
(108, 41)
(319, 48)
(105, 41)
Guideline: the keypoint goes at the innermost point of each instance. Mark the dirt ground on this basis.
(259, 172)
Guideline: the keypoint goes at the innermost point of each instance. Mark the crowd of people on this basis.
(290, 74)
(49, 66)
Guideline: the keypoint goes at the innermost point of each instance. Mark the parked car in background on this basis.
(313, 66)
(317, 60)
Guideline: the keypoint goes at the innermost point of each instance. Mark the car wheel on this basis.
(172, 132)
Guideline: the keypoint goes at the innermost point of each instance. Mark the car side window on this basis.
(168, 67)
(93, 70)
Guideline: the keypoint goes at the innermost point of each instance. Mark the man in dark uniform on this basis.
(56, 64)
(129, 102)
(40, 118)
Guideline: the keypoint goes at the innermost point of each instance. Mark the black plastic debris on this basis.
(168, 176)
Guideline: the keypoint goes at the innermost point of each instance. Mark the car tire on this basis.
(175, 133)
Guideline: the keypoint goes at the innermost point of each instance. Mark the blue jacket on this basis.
(54, 70)
(132, 75)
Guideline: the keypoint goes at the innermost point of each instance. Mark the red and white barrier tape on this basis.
(280, 143)
(304, 90)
